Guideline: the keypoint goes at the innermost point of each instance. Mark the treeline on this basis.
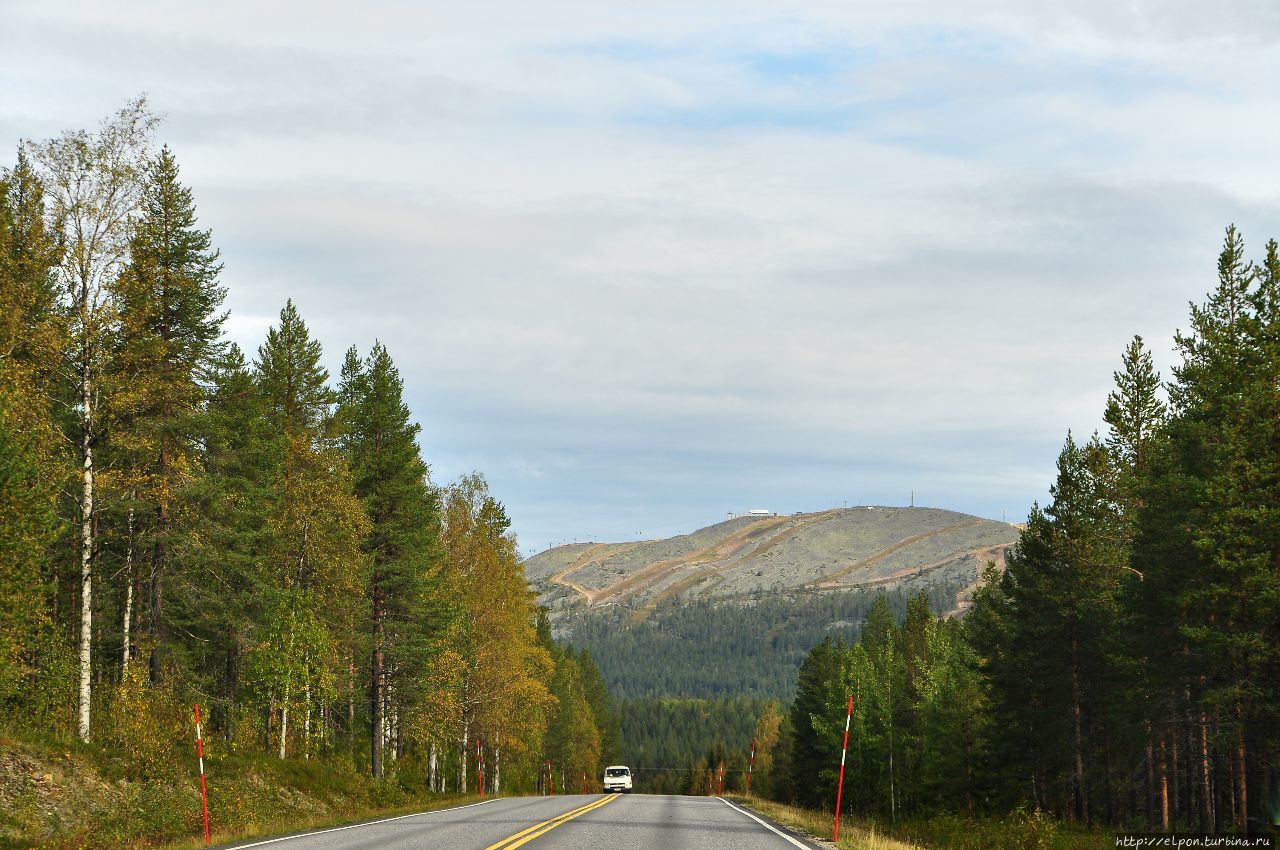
(1125, 668)
(184, 523)
(672, 743)
(920, 725)
(727, 649)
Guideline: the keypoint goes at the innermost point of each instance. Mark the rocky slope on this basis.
(739, 559)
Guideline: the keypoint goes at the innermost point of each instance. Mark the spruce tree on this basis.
(34, 460)
(223, 592)
(30, 523)
(316, 564)
(168, 301)
(290, 376)
(813, 710)
(392, 483)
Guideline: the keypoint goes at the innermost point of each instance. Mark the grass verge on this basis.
(855, 834)
(70, 796)
(1018, 830)
(227, 836)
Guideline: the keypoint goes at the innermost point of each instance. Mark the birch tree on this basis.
(93, 182)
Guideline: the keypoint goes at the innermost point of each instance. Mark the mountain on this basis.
(738, 559)
(731, 609)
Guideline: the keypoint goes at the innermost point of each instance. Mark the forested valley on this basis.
(727, 649)
(185, 522)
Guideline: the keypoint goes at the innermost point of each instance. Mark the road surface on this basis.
(576, 822)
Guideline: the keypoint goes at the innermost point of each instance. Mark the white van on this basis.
(617, 778)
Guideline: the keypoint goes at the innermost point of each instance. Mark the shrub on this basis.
(149, 723)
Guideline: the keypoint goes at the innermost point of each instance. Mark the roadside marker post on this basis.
(721, 794)
(751, 764)
(843, 750)
(204, 796)
(479, 771)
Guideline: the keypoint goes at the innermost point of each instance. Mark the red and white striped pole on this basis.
(721, 779)
(751, 765)
(551, 778)
(479, 772)
(840, 788)
(204, 796)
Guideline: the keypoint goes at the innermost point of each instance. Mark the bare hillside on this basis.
(839, 549)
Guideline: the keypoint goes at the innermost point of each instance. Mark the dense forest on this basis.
(673, 743)
(1125, 668)
(715, 649)
(185, 522)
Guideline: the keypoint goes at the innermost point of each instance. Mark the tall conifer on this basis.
(168, 301)
(392, 483)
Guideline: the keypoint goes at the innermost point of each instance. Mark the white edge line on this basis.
(767, 826)
(355, 826)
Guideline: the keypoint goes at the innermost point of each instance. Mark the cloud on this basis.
(642, 266)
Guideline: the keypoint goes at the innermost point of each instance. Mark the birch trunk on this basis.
(284, 719)
(462, 761)
(306, 726)
(127, 622)
(93, 183)
(86, 541)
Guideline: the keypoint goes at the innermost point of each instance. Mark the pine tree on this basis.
(1134, 410)
(1225, 581)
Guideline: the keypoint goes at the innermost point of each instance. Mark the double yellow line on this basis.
(511, 842)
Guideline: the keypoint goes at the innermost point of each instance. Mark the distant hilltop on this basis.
(759, 551)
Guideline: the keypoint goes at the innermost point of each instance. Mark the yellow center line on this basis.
(511, 842)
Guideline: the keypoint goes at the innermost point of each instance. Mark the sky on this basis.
(643, 265)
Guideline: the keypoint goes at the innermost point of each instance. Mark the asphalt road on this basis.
(579, 822)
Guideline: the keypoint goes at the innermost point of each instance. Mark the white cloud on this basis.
(642, 265)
